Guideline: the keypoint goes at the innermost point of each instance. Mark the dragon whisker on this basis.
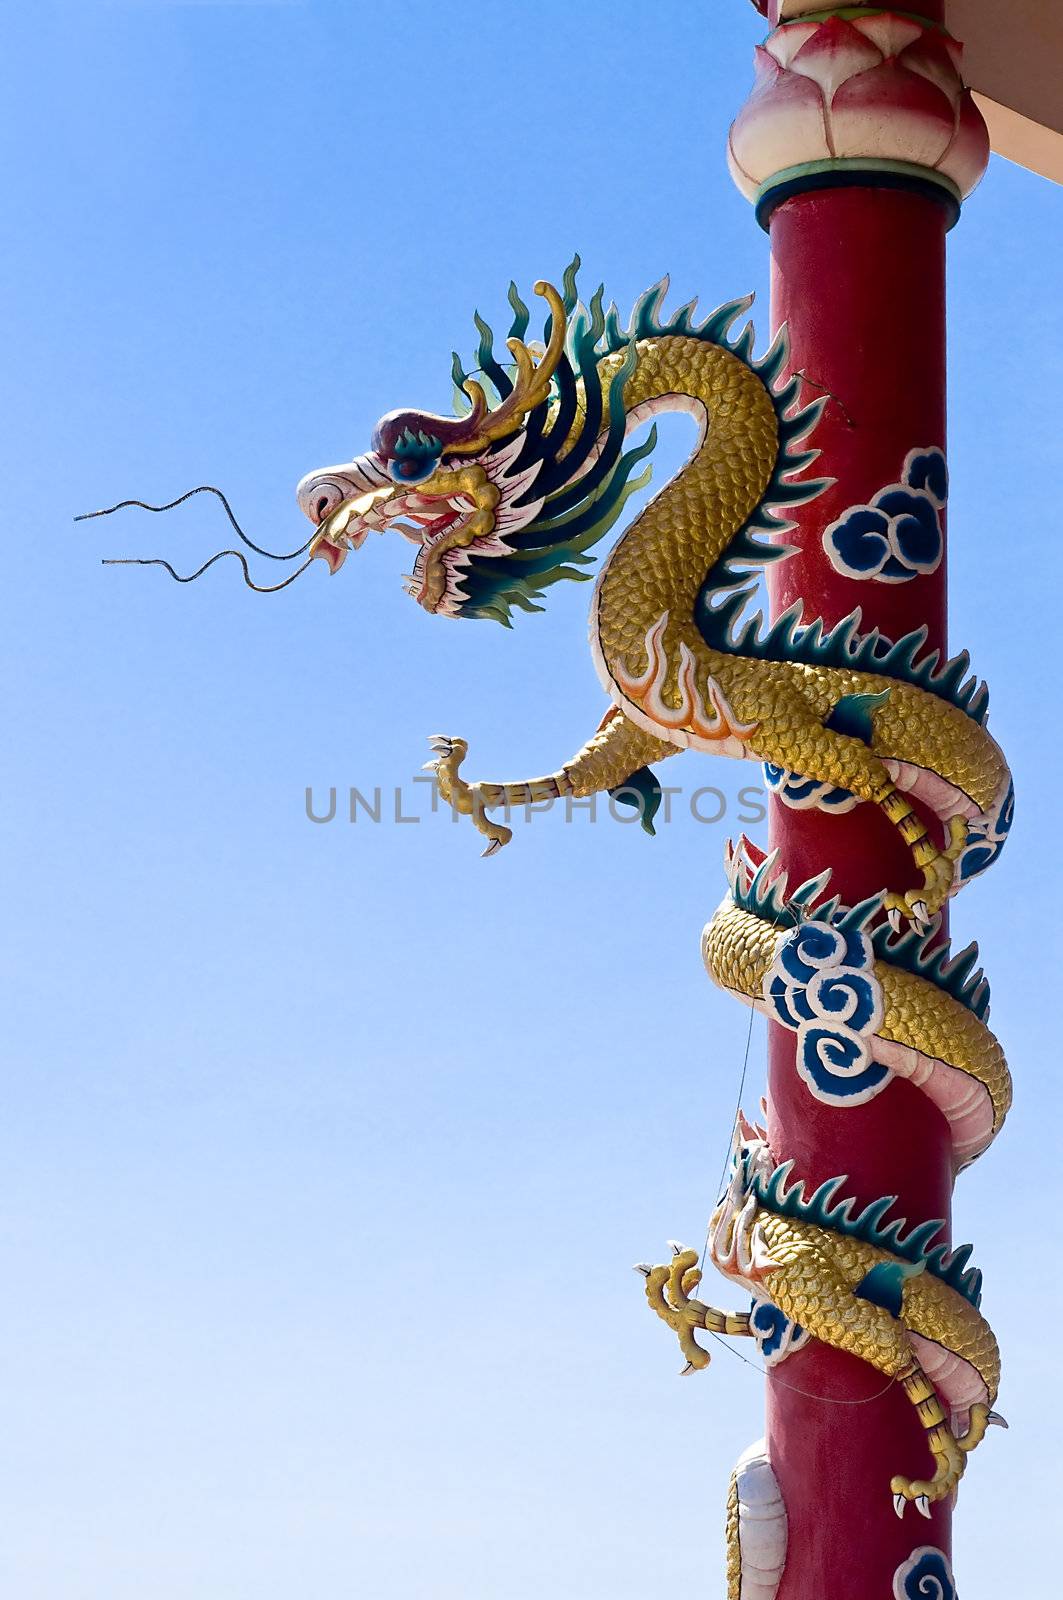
(203, 488)
(157, 561)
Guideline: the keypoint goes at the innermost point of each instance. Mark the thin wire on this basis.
(204, 488)
(828, 1399)
(157, 561)
(730, 1136)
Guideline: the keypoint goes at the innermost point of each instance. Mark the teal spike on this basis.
(578, 326)
(462, 403)
(521, 314)
(762, 877)
(978, 706)
(568, 284)
(683, 320)
(918, 1241)
(960, 1257)
(909, 646)
(774, 358)
(806, 418)
(496, 614)
(722, 320)
(743, 345)
(776, 904)
(821, 1200)
(954, 672)
(645, 314)
(778, 1178)
(959, 970)
(812, 637)
(749, 631)
(597, 314)
(487, 340)
(828, 910)
(804, 894)
(796, 494)
(799, 460)
(888, 1237)
(789, 426)
(860, 916)
(841, 1218)
(614, 337)
(870, 1219)
(788, 622)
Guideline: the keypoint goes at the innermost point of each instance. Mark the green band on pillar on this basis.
(854, 172)
(847, 13)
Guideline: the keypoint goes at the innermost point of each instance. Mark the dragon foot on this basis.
(921, 906)
(465, 798)
(950, 1459)
(950, 1455)
(667, 1290)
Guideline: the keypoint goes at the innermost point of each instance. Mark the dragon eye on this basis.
(412, 469)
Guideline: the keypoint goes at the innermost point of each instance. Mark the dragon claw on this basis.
(995, 1420)
(921, 906)
(899, 1504)
(922, 1505)
(465, 798)
(643, 1267)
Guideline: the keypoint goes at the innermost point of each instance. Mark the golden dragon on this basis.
(510, 495)
(504, 500)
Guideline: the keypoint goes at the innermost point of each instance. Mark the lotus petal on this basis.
(967, 157)
(834, 53)
(892, 114)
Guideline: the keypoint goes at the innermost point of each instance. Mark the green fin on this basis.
(641, 791)
(884, 1284)
(852, 714)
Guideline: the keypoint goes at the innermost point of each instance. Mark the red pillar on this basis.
(858, 259)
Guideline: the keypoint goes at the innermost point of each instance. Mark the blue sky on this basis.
(325, 1150)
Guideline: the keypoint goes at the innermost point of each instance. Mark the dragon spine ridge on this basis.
(869, 1226)
(922, 954)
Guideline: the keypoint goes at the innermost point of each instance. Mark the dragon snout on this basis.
(320, 493)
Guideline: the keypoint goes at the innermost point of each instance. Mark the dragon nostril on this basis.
(322, 506)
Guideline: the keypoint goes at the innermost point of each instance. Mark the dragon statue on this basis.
(512, 494)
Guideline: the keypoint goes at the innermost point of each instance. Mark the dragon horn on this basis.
(530, 389)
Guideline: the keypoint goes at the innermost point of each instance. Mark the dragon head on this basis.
(505, 499)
